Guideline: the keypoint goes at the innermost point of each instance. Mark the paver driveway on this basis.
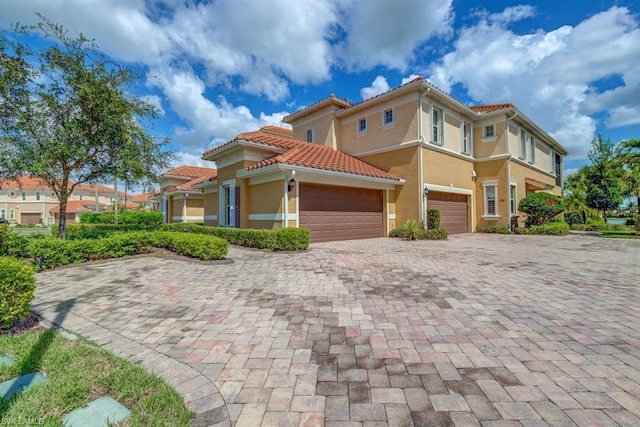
(479, 329)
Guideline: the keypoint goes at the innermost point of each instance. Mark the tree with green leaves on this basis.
(68, 116)
(603, 176)
(629, 156)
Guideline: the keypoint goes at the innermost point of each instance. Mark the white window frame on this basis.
(532, 145)
(3, 213)
(466, 138)
(359, 122)
(437, 125)
(310, 135)
(493, 132)
(384, 117)
(513, 199)
(485, 186)
(227, 217)
(523, 144)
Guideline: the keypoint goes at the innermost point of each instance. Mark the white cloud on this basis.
(384, 33)
(379, 85)
(210, 123)
(156, 102)
(550, 75)
(624, 116)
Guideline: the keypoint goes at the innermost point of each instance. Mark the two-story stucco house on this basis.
(29, 201)
(358, 170)
(178, 199)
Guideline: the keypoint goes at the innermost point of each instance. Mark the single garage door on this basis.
(454, 212)
(340, 213)
(27, 218)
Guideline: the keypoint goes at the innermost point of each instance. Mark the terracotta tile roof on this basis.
(490, 108)
(212, 174)
(301, 153)
(331, 99)
(188, 171)
(26, 182)
(144, 197)
(79, 206)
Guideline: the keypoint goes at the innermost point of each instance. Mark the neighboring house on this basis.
(28, 201)
(180, 199)
(358, 170)
(146, 201)
(75, 208)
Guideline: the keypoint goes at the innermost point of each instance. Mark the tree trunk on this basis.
(62, 227)
(115, 197)
(604, 215)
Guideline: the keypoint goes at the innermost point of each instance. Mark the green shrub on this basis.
(541, 208)
(559, 228)
(146, 220)
(5, 238)
(410, 229)
(292, 239)
(494, 229)
(575, 217)
(433, 218)
(58, 252)
(297, 238)
(17, 287)
(199, 246)
(94, 231)
(433, 234)
(396, 232)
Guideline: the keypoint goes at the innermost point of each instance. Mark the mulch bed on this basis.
(30, 322)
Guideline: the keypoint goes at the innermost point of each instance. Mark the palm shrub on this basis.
(541, 208)
(17, 287)
(410, 229)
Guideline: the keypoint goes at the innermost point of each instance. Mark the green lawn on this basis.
(78, 373)
(620, 234)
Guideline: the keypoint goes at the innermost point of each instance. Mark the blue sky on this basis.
(222, 67)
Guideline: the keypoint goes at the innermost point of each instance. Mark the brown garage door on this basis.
(27, 218)
(340, 213)
(454, 213)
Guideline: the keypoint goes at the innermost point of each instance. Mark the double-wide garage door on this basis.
(454, 211)
(340, 213)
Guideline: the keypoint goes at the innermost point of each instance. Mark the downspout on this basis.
(509, 156)
(286, 198)
(422, 201)
(184, 207)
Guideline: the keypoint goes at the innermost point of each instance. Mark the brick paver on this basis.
(477, 330)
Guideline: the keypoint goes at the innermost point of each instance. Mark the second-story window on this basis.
(523, 144)
(436, 124)
(38, 196)
(362, 125)
(310, 136)
(466, 138)
(489, 131)
(387, 117)
(23, 195)
(532, 143)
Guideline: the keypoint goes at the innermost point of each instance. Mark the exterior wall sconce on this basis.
(291, 185)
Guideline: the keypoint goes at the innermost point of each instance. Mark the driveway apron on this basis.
(477, 330)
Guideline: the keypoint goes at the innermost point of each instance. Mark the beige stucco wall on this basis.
(486, 147)
(377, 136)
(323, 125)
(443, 169)
(492, 171)
(268, 225)
(452, 133)
(267, 198)
(543, 157)
(211, 207)
(402, 163)
(195, 207)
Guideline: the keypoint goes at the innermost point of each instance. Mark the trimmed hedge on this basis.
(494, 229)
(199, 246)
(284, 239)
(17, 287)
(147, 220)
(550, 229)
(57, 252)
(94, 231)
